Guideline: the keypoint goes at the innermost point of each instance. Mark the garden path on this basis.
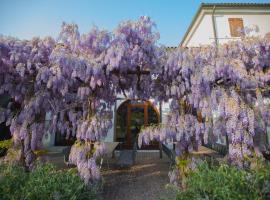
(146, 180)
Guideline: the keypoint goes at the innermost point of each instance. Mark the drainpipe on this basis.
(114, 120)
(160, 121)
(214, 26)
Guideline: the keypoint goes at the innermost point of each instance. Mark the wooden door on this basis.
(135, 116)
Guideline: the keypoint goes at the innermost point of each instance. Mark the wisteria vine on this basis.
(224, 91)
(70, 84)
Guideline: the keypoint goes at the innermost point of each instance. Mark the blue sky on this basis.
(28, 18)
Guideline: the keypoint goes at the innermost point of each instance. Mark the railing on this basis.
(170, 153)
(221, 149)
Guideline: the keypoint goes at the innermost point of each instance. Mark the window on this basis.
(236, 26)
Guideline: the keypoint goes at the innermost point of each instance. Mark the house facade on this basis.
(128, 118)
(219, 23)
(213, 24)
(223, 22)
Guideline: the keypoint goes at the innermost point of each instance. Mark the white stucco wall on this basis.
(110, 136)
(48, 139)
(165, 109)
(249, 20)
(202, 32)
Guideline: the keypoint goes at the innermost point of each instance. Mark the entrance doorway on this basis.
(131, 117)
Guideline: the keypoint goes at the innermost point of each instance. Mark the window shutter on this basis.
(236, 24)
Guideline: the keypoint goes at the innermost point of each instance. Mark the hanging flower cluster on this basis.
(20, 64)
(184, 130)
(227, 86)
(70, 84)
(95, 128)
(84, 155)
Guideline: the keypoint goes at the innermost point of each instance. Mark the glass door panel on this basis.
(121, 123)
(137, 120)
(130, 118)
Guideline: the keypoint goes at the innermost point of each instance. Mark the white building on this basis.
(219, 23)
(213, 23)
(128, 117)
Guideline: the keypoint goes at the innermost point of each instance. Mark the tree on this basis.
(20, 66)
(70, 85)
(73, 84)
(220, 89)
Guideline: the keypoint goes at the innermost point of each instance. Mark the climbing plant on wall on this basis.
(69, 84)
(222, 90)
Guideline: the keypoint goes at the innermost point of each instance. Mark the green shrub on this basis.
(12, 181)
(4, 146)
(227, 182)
(45, 182)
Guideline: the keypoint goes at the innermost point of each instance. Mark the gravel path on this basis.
(146, 180)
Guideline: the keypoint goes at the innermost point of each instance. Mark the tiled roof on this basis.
(171, 48)
(235, 4)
